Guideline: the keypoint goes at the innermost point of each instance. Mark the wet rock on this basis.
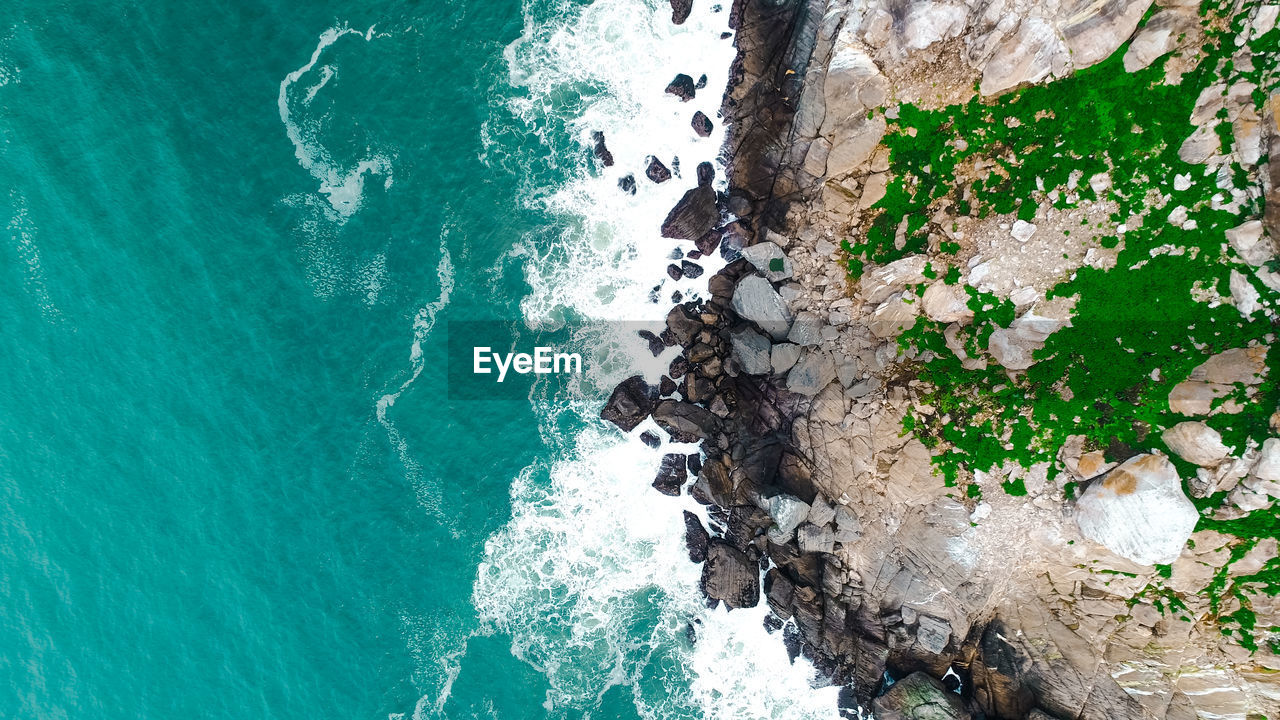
(702, 81)
(706, 173)
(919, 697)
(814, 371)
(680, 10)
(730, 576)
(683, 327)
(1138, 511)
(671, 475)
(682, 87)
(769, 259)
(599, 150)
(674, 272)
(779, 591)
(691, 270)
(666, 386)
(631, 402)
(696, 538)
(693, 216)
(752, 351)
(656, 171)
(703, 126)
(694, 461)
(685, 421)
(650, 439)
(1196, 443)
(757, 301)
(656, 346)
(627, 184)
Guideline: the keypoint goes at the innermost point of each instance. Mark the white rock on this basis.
(1022, 230)
(1200, 145)
(1095, 30)
(1158, 37)
(1182, 182)
(1028, 56)
(752, 351)
(946, 303)
(1268, 466)
(894, 316)
(756, 300)
(848, 528)
(1247, 241)
(878, 284)
(1244, 294)
(1014, 346)
(874, 190)
(1138, 511)
(853, 144)
(1196, 442)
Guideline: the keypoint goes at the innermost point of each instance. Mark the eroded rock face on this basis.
(1138, 511)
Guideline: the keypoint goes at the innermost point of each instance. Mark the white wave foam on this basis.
(343, 187)
(590, 577)
(423, 322)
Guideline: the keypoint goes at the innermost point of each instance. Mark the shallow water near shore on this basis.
(232, 481)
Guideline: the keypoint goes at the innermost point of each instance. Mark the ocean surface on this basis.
(233, 482)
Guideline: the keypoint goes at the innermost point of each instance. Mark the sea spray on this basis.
(591, 578)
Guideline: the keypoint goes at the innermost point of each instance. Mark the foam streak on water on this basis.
(590, 577)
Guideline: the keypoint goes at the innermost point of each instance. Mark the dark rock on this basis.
(702, 124)
(806, 608)
(739, 205)
(695, 463)
(691, 270)
(656, 171)
(656, 346)
(627, 184)
(599, 150)
(697, 389)
(666, 386)
(721, 287)
(746, 523)
(708, 242)
(702, 82)
(695, 537)
(795, 477)
(779, 591)
(682, 87)
(685, 421)
(680, 10)
(684, 326)
(671, 475)
(730, 576)
(675, 166)
(772, 623)
(919, 696)
(693, 254)
(693, 216)
(678, 367)
(674, 271)
(655, 294)
(676, 297)
(631, 402)
(706, 173)
(715, 478)
(802, 569)
(650, 439)
(791, 641)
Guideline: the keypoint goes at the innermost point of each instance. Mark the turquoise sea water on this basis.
(232, 483)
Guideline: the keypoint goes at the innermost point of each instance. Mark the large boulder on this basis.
(693, 216)
(757, 301)
(919, 697)
(685, 421)
(769, 259)
(1138, 511)
(695, 537)
(1029, 55)
(1014, 347)
(671, 474)
(1096, 28)
(680, 10)
(814, 371)
(730, 576)
(752, 351)
(631, 402)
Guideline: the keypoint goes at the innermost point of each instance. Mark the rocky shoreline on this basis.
(1011, 595)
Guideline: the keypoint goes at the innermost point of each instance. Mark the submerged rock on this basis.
(627, 184)
(1138, 511)
(599, 150)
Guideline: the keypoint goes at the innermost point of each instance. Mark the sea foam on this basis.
(591, 578)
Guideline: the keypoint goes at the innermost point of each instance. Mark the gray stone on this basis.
(1246, 240)
(769, 260)
(933, 634)
(815, 539)
(807, 329)
(821, 512)
(784, 356)
(813, 372)
(756, 300)
(752, 350)
(1096, 28)
(848, 528)
(730, 576)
